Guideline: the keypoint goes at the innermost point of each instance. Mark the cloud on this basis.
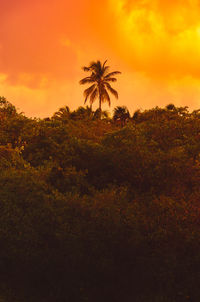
(43, 44)
(158, 37)
(31, 40)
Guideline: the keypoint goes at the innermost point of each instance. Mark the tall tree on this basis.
(100, 78)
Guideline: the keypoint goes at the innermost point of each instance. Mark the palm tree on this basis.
(62, 114)
(100, 78)
(121, 114)
(82, 113)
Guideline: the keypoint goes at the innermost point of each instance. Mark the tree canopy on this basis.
(96, 210)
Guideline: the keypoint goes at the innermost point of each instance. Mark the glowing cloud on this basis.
(155, 43)
(162, 38)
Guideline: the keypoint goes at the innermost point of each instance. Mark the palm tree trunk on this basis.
(100, 105)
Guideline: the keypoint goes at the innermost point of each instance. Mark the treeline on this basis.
(100, 209)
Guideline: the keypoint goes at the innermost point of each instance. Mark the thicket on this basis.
(100, 209)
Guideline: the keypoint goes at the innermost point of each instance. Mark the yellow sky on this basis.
(154, 43)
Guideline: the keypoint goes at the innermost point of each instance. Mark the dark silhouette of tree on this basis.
(121, 114)
(171, 107)
(62, 114)
(182, 111)
(84, 193)
(6, 108)
(100, 78)
(82, 114)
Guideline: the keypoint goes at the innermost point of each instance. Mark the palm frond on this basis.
(105, 68)
(85, 68)
(88, 91)
(112, 90)
(92, 64)
(87, 80)
(111, 80)
(64, 109)
(62, 112)
(93, 96)
(95, 66)
(104, 63)
(105, 96)
(112, 74)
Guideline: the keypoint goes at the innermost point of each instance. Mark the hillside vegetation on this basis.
(100, 209)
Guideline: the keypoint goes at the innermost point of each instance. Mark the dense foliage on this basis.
(100, 209)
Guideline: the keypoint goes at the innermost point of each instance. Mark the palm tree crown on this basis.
(121, 114)
(100, 78)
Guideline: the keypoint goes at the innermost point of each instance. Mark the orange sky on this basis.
(44, 43)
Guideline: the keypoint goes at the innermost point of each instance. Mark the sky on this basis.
(154, 43)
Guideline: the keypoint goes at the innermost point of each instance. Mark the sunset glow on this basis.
(154, 43)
